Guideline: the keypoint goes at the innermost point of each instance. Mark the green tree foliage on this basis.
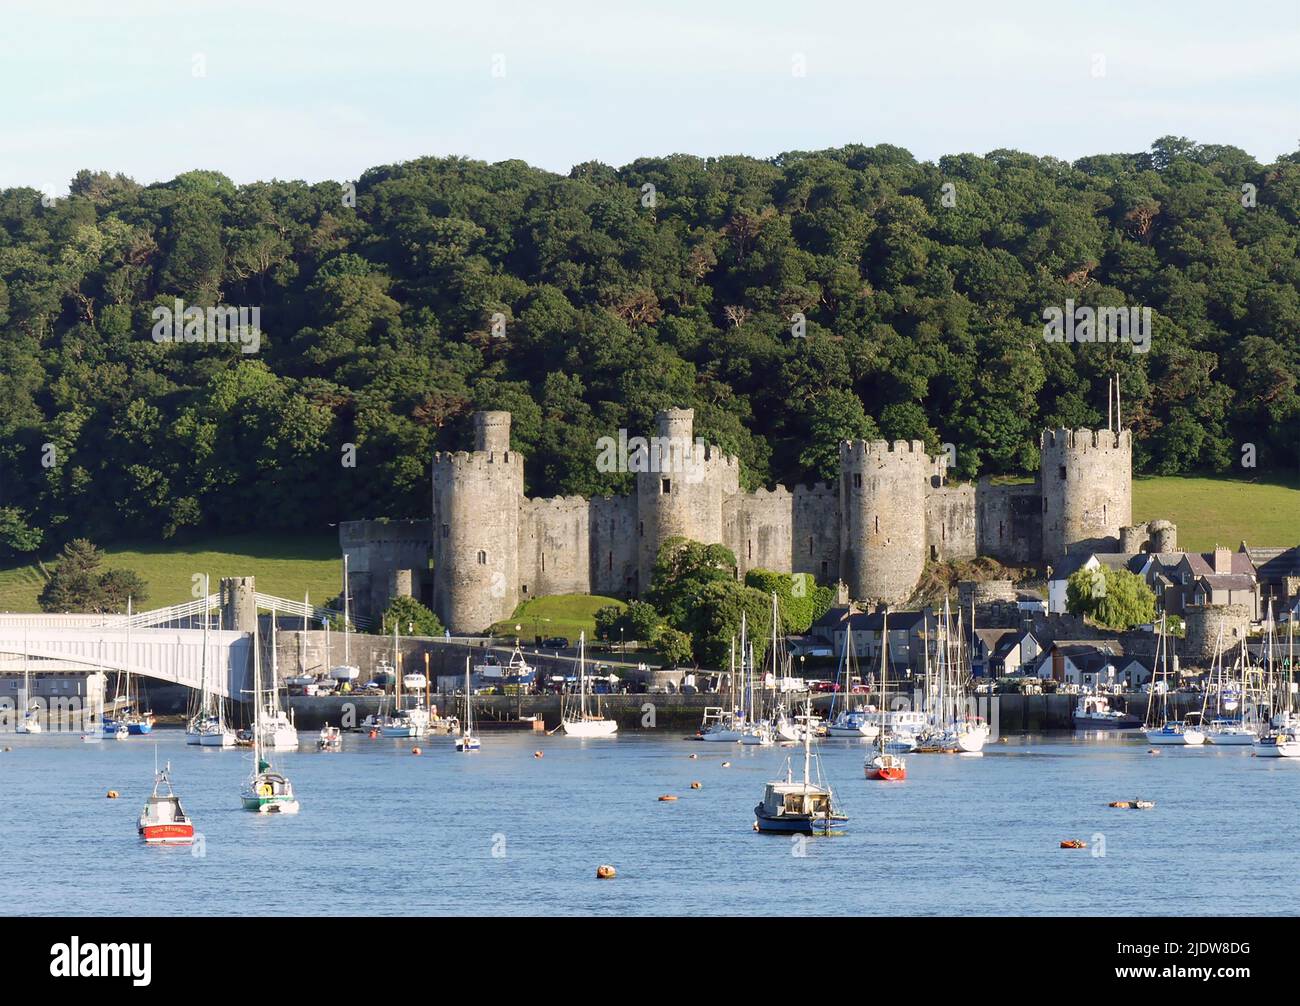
(638, 620)
(448, 285)
(411, 617)
(78, 585)
(682, 571)
(799, 599)
(675, 646)
(1116, 598)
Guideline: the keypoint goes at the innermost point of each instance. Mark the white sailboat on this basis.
(208, 728)
(1160, 729)
(852, 720)
(346, 672)
(467, 741)
(406, 722)
(1231, 696)
(266, 791)
(31, 721)
(278, 732)
(725, 725)
(1282, 738)
(756, 732)
(583, 723)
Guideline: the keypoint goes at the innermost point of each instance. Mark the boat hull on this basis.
(1188, 738)
(139, 729)
(1230, 739)
(467, 744)
(222, 739)
(176, 833)
(887, 774)
(795, 824)
(1270, 747)
(1086, 721)
(270, 805)
(590, 728)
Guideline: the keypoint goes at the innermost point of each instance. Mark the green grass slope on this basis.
(557, 615)
(1222, 511)
(284, 565)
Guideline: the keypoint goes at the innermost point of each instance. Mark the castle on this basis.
(487, 547)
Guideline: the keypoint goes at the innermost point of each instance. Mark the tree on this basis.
(78, 585)
(674, 645)
(1116, 598)
(682, 570)
(411, 618)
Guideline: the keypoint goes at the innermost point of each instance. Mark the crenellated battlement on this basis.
(878, 452)
(485, 460)
(1084, 439)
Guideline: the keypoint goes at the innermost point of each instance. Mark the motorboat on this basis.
(799, 808)
(1093, 712)
(330, 739)
(163, 820)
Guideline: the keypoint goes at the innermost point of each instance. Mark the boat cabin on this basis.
(795, 799)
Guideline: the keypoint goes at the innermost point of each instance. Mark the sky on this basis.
(325, 89)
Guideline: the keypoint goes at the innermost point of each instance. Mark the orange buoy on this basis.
(537, 754)
(695, 785)
(1073, 843)
(606, 872)
(667, 798)
(374, 734)
(112, 794)
(415, 750)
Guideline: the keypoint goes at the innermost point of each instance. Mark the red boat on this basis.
(887, 768)
(163, 821)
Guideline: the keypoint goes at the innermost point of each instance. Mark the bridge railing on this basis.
(284, 606)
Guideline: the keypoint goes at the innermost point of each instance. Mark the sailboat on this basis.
(852, 720)
(163, 820)
(346, 672)
(208, 728)
(950, 730)
(404, 722)
(278, 732)
(756, 731)
(800, 808)
(266, 791)
(724, 726)
(137, 723)
(1160, 729)
(31, 721)
(584, 723)
(1230, 697)
(884, 765)
(467, 741)
(1282, 738)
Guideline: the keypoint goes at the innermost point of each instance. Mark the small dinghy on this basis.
(163, 820)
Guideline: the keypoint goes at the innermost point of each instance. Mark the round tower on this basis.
(1164, 536)
(680, 487)
(1087, 490)
(882, 517)
(476, 500)
(1208, 624)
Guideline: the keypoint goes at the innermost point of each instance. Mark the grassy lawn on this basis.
(1223, 511)
(285, 565)
(558, 615)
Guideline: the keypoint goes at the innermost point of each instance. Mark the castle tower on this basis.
(1087, 489)
(680, 487)
(882, 517)
(476, 501)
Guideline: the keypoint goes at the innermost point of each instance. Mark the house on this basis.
(1277, 571)
(1218, 577)
(997, 653)
(1089, 663)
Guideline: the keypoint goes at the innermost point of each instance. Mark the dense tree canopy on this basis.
(790, 301)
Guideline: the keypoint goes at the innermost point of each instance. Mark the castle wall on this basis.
(1009, 522)
(815, 535)
(615, 547)
(554, 547)
(758, 527)
(383, 554)
(950, 522)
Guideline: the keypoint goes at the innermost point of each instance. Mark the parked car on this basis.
(556, 643)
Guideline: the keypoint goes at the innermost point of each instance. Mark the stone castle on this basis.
(487, 546)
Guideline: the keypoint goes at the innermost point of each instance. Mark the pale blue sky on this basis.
(325, 89)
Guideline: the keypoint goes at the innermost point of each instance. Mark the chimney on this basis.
(1222, 559)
